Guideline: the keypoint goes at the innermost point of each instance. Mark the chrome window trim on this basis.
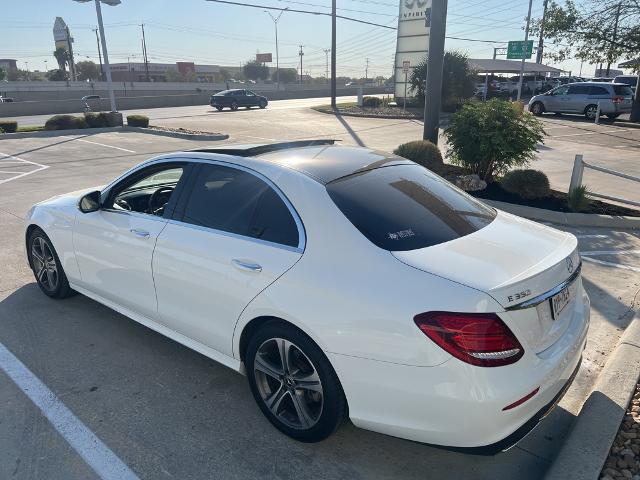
(548, 294)
(302, 237)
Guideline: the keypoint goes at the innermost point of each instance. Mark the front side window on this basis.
(236, 201)
(406, 207)
(560, 91)
(146, 192)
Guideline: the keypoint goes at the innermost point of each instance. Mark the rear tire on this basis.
(590, 112)
(46, 266)
(234, 106)
(301, 396)
(219, 109)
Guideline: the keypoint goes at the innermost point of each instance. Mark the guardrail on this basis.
(576, 179)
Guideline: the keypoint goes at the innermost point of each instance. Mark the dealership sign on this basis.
(412, 46)
(264, 58)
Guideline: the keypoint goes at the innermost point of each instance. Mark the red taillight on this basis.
(618, 99)
(480, 339)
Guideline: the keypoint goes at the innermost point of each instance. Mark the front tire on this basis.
(537, 109)
(590, 112)
(46, 266)
(234, 106)
(263, 104)
(293, 383)
(219, 108)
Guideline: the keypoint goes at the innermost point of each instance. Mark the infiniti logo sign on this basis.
(411, 3)
(569, 264)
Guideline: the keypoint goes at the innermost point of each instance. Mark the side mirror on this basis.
(90, 202)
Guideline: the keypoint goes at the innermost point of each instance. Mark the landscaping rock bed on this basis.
(557, 201)
(379, 112)
(181, 130)
(624, 457)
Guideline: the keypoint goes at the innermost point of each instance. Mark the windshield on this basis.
(222, 93)
(407, 207)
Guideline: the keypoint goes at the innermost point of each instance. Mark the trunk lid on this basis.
(514, 260)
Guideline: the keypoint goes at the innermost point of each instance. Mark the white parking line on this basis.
(589, 133)
(101, 144)
(21, 161)
(95, 453)
(611, 264)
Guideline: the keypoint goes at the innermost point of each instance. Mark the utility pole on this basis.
(526, 40)
(615, 37)
(301, 53)
(486, 77)
(433, 86)
(326, 68)
(275, 23)
(144, 54)
(72, 65)
(541, 37)
(366, 69)
(99, 54)
(333, 54)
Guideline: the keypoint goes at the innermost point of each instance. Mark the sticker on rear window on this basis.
(401, 234)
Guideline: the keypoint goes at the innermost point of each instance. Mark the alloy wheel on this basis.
(44, 264)
(288, 383)
(591, 112)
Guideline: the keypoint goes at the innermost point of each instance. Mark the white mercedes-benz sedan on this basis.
(344, 282)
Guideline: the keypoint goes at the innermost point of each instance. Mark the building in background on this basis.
(164, 72)
(8, 64)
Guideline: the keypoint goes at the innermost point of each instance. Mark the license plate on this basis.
(561, 299)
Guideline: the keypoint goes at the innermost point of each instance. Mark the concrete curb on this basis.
(125, 128)
(586, 448)
(564, 218)
(187, 136)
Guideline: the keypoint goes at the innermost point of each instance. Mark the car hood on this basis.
(68, 199)
(509, 256)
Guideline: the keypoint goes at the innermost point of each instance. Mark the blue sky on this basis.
(207, 32)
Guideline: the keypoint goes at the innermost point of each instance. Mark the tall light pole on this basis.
(524, 50)
(99, 54)
(275, 24)
(333, 54)
(437, 21)
(113, 3)
(301, 53)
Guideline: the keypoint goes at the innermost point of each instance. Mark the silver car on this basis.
(583, 98)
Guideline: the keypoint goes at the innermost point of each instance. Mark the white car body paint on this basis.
(354, 299)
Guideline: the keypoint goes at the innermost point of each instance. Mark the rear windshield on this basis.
(632, 81)
(406, 207)
(623, 90)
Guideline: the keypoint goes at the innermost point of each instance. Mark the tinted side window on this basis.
(236, 201)
(598, 91)
(406, 207)
(578, 89)
(623, 90)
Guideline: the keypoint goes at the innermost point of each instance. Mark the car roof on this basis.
(320, 160)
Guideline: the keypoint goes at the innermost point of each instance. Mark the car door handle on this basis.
(140, 233)
(245, 265)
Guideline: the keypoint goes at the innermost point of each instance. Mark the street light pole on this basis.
(275, 24)
(99, 54)
(333, 54)
(435, 61)
(524, 50)
(112, 97)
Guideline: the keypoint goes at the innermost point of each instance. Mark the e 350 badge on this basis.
(519, 296)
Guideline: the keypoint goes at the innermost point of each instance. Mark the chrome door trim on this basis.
(548, 294)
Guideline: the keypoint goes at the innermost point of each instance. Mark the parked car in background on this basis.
(90, 102)
(6, 100)
(236, 98)
(631, 80)
(583, 98)
(344, 282)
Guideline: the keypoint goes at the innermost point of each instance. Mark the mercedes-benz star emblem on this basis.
(570, 264)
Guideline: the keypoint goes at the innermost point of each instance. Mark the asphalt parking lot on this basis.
(167, 412)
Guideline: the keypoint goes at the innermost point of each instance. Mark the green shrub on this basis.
(1, 130)
(137, 120)
(96, 119)
(526, 183)
(422, 152)
(577, 199)
(372, 102)
(489, 138)
(8, 126)
(65, 122)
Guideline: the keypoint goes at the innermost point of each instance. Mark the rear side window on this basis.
(598, 91)
(623, 90)
(406, 207)
(578, 89)
(239, 202)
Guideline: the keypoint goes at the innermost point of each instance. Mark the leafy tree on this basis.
(489, 138)
(457, 78)
(62, 57)
(17, 75)
(56, 75)
(87, 70)
(288, 75)
(3, 74)
(255, 70)
(224, 73)
(585, 30)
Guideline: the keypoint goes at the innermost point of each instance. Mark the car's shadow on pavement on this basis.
(165, 409)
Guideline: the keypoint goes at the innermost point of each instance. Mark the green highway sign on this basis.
(519, 49)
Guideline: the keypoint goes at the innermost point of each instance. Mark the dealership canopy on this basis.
(498, 65)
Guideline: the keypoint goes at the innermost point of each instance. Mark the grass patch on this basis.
(31, 128)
